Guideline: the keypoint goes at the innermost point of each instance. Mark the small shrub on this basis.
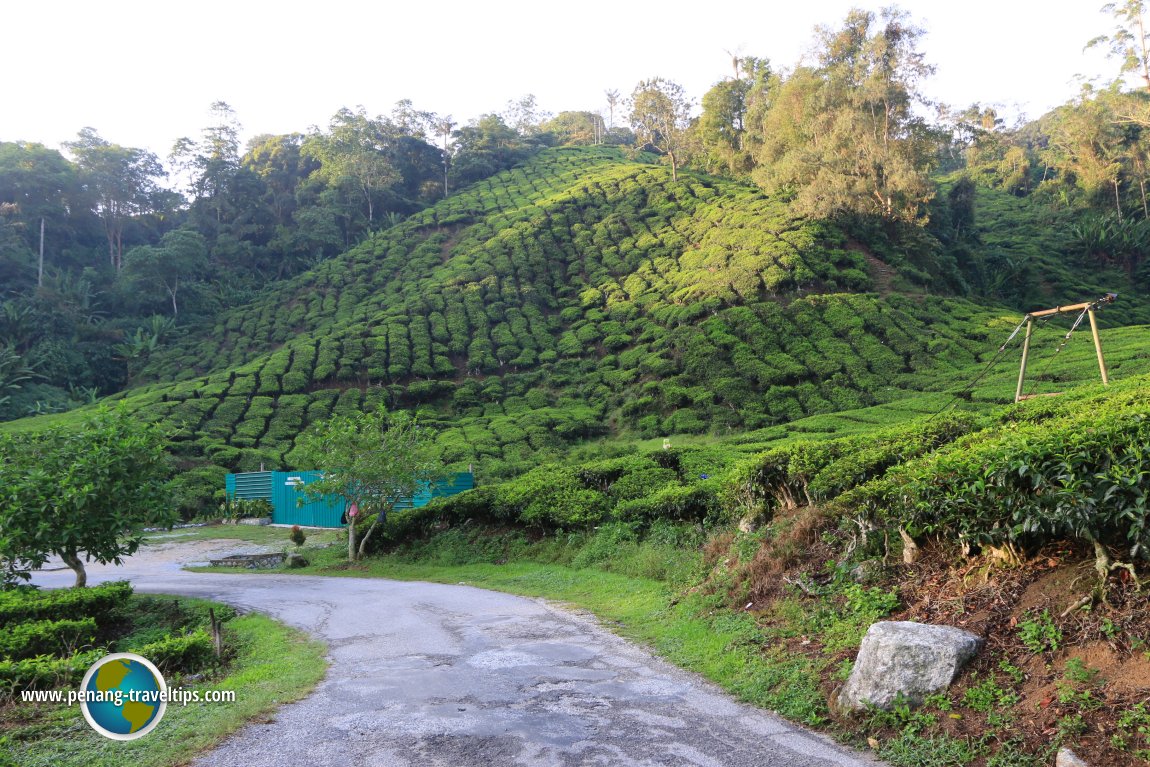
(44, 672)
(181, 654)
(1039, 633)
(607, 543)
(913, 750)
(297, 535)
(987, 696)
(234, 509)
(33, 638)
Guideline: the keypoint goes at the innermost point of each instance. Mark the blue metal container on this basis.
(284, 490)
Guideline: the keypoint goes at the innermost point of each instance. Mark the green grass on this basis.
(273, 665)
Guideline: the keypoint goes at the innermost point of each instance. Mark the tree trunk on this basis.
(1145, 52)
(382, 516)
(674, 169)
(351, 551)
(72, 560)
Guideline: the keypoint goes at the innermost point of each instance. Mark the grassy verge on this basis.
(273, 664)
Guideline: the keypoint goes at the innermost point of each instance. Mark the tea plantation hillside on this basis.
(577, 297)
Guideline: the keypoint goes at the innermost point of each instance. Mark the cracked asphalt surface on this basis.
(429, 674)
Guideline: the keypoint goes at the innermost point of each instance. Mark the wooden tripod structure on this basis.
(1087, 307)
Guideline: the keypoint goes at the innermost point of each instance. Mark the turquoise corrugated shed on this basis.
(291, 507)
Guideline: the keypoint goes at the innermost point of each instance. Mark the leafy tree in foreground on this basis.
(371, 460)
(86, 490)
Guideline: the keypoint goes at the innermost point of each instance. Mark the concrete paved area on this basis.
(428, 674)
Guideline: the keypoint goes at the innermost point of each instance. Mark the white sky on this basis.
(144, 72)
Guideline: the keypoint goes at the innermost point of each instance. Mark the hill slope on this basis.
(580, 295)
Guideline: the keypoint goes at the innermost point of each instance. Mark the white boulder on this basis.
(914, 659)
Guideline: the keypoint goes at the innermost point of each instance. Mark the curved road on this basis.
(427, 674)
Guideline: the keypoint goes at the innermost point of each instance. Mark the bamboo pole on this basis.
(1062, 310)
(1025, 354)
(1098, 348)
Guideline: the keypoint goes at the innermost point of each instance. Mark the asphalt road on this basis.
(427, 674)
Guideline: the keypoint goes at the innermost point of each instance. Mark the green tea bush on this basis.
(871, 458)
(684, 503)
(186, 654)
(642, 482)
(98, 602)
(1082, 476)
(551, 497)
(813, 472)
(32, 638)
(44, 672)
(602, 475)
(195, 489)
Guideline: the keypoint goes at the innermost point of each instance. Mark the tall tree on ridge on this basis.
(122, 181)
(660, 116)
(353, 152)
(213, 161)
(443, 127)
(842, 137)
(525, 115)
(1130, 40)
(612, 102)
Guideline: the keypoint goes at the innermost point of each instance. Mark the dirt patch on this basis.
(171, 552)
(1056, 589)
(796, 540)
(454, 234)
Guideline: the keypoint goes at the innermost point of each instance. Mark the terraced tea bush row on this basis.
(23, 605)
(809, 472)
(636, 490)
(32, 638)
(1074, 470)
(749, 367)
(44, 673)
